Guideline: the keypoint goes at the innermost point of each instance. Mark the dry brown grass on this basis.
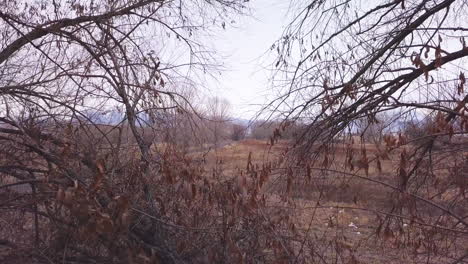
(335, 211)
(333, 206)
(234, 156)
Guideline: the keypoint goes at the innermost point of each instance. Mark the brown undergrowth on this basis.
(352, 199)
(242, 203)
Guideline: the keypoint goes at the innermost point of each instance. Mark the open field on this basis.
(352, 209)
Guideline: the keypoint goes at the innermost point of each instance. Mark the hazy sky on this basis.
(244, 45)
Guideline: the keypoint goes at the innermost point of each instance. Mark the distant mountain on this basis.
(110, 117)
(113, 117)
(241, 121)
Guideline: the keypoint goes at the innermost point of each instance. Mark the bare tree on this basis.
(218, 117)
(346, 61)
(64, 65)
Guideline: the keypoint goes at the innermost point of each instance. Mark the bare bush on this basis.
(238, 132)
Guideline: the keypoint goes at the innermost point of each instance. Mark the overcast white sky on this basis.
(244, 44)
